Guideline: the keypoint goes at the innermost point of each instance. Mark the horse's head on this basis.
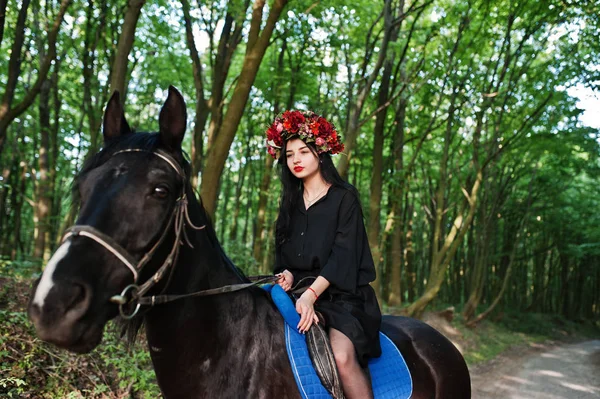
(131, 194)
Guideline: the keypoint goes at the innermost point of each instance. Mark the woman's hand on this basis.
(286, 279)
(306, 310)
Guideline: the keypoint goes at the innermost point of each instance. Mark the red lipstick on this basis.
(298, 168)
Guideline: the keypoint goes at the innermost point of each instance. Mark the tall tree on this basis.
(255, 50)
(8, 110)
(119, 70)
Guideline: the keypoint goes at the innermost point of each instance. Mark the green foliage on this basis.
(30, 368)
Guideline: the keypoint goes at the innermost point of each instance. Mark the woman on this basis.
(321, 243)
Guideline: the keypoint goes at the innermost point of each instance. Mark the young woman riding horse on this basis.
(142, 238)
(322, 244)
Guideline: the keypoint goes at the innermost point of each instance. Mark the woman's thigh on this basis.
(342, 347)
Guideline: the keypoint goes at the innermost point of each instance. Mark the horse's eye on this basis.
(161, 191)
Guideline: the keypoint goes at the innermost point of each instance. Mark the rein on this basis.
(179, 219)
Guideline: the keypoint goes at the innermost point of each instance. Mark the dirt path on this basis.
(551, 372)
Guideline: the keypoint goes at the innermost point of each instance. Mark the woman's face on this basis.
(301, 161)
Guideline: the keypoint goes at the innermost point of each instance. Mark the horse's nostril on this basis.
(77, 300)
(34, 312)
(77, 295)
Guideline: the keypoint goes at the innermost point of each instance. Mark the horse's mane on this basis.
(151, 142)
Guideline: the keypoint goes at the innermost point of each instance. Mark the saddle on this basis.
(389, 374)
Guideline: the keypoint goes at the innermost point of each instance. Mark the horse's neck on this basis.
(227, 343)
(199, 268)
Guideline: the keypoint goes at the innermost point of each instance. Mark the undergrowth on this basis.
(30, 368)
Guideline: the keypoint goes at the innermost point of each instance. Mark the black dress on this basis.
(329, 240)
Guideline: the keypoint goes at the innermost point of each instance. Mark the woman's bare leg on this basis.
(354, 381)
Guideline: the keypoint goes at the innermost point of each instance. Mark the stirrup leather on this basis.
(319, 350)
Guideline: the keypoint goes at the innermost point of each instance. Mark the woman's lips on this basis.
(298, 168)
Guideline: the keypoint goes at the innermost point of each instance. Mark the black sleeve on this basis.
(341, 269)
(278, 268)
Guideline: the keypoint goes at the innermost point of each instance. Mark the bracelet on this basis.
(314, 292)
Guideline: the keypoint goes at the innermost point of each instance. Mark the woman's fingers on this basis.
(307, 315)
(308, 323)
(284, 281)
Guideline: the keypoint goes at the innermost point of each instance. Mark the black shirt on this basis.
(328, 239)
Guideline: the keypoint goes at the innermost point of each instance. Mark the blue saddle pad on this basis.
(389, 374)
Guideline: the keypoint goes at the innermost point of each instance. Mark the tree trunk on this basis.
(251, 184)
(496, 301)
(539, 274)
(217, 156)
(411, 275)
(269, 255)
(95, 26)
(119, 72)
(485, 229)
(260, 237)
(42, 199)
(565, 277)
(4, 191)
(228, 42)
(397, 197)
(18, 200)
(261, 232)
(14, 71)
(355, 107)
(443, 256)
(515, 243)
(374, 225)
(3, 4)
(238, 193)
(202, 109)
(8, 113)
(54, 190)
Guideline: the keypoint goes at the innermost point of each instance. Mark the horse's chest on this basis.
(236, 373)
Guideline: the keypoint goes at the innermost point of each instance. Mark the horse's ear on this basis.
(173, 120)
(114, 124)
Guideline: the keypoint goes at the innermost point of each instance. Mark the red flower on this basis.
(305, 125)
(274, 135)
(292, 121)
(325, 128)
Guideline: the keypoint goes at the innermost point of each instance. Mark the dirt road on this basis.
(563, 372)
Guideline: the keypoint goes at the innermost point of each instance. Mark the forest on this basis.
(480, 183)
(478, 180)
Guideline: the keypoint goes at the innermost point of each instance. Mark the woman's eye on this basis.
(161, 191)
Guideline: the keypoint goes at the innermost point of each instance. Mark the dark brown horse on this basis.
(140, 223)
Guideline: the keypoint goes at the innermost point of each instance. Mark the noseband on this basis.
(179, 218)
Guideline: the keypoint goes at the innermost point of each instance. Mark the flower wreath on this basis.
(307, 126)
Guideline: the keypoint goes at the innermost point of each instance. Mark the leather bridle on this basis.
(179, 219)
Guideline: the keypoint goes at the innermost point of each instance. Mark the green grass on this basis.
(490, 338)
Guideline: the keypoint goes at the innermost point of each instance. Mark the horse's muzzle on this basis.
(57, 320)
